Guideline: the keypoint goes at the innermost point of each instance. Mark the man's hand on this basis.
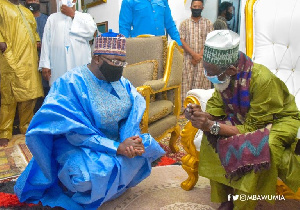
(190, 108)
(131, 147)
(198, 118)
(201, 120)
(68, 11)
(38, 44)
(46, 74)
(194, 62)
(197, 57)
(3, 47)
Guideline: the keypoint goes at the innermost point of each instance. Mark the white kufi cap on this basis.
(221, 47)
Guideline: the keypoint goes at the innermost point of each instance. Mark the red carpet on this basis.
(10, 200)
(164, 161)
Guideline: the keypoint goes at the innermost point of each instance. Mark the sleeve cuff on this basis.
(112, 147)
(44, 64)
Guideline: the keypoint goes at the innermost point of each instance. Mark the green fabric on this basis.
(243, 205)
(270, 99)
(220, 193)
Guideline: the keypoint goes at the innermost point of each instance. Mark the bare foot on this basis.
(3, 142)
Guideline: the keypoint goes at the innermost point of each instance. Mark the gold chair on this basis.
(190, 137)
(271, 39)
(155, 69)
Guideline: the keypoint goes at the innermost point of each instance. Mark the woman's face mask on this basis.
(214, 79)
(110, 72)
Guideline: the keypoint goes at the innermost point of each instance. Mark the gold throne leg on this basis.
(173, 140)
(191, 160)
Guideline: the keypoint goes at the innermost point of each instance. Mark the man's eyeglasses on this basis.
(224, 68)
(205, 73)
(116, 62)
(221, 69)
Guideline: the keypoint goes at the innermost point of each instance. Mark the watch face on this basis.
(215, 129)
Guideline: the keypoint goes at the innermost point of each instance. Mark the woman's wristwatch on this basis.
(215, 128)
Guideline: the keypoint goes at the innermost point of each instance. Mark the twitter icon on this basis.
(234, 197)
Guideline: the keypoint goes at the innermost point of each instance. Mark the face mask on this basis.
(214, 79)
(33, 7)
(196, 12)
(111, 73)
(228, 16)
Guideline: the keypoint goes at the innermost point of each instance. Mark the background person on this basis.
(193, 32)
(20, 80)
(225, 13)
(41, 19)
(66, 41)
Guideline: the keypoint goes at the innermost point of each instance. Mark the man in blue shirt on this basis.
(147, 17)
(41, 19)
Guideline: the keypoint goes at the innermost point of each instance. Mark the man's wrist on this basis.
(215, 128)
(193, 54)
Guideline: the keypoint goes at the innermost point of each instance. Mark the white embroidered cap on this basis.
(221, 47)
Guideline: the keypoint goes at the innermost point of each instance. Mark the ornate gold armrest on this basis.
(191, 160)
(145, 91)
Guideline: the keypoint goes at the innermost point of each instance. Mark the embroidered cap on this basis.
(110, 43)
(221, 47)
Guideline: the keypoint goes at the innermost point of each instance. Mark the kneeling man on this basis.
(250, 127)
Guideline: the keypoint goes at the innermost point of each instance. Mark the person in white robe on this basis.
(66, 41)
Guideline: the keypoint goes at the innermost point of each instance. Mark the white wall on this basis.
(107, 12)
(178, 11)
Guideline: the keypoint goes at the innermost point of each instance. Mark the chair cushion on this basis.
(147, 48)
(157, 128)
(141, 72)
(159, 109)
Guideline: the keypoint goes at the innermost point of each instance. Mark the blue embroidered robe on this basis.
(74, 138)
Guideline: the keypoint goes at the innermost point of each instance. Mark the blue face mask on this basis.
(214, 79)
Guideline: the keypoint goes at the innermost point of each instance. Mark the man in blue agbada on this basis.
(85, 140)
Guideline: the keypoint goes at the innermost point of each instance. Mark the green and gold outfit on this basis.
(270, 102)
